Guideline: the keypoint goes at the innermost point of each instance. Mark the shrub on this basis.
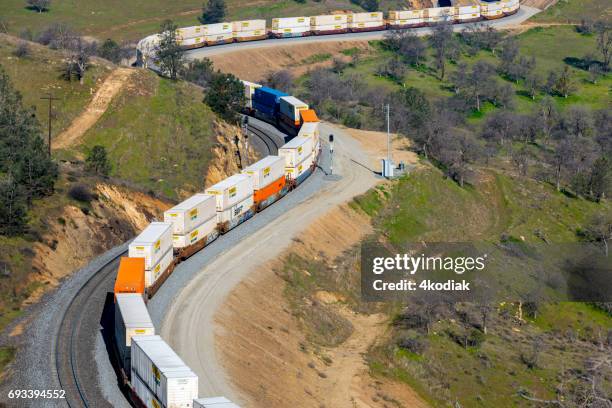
(80, 192)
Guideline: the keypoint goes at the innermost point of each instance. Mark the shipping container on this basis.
(214, 39)
(271, 193)
(330, 28)
(192, 212)
(131, 319)
(130, 276)
(248, 25)
(311, 130)
(296, 150)
(191, 43)
(214, 402)
(467, 17)
(145, 395)
(152, 243)
(230, 191)
(291, 32)
(267, 101)
(467, 9)
(197, 234)
(355, 18)
(407, 23)
(163, 372)
(265, 171)
(367, 26)
(328, 19)
(290, 22)
(309, 115)
(407, 14)
(299, 172)
(234, 215)
(249, 91)
(251, 35)
(190, 32)
(440, 12)
(290, 108)
(218, 28)
(151, 275)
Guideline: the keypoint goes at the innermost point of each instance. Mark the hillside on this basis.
(574, 11)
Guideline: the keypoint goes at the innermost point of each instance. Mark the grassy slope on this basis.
(134, 19)
(573, 11)
(426, 206)
(158, 134)
(39, 74)
(550, 47)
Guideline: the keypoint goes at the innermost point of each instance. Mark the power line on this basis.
(50, 98)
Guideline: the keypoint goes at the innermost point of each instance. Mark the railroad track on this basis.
(271, 144)
(75, 341)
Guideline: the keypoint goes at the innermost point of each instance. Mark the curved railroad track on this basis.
(269, 142)
(79, 326)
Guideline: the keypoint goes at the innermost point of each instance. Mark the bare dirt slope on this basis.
(375, 143)
(269, 358)
(296, 58)
(96, 108)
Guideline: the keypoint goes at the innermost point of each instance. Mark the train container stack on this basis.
(358, 22)
(130, 276)
(439, 15)
(249, 92)
(269, 182)
(290, 108)
(299, 159)
(407, 18)
(510, 6)
(267, 101)
(465, 14)
(159, 376)
(290, 27)
(234, 201)
(194, 223)
(311, 130)
(491, 10)
(329, 24)
(218, 33)
(214, 402)
(154, 244)
(249, 30)
(131, 319)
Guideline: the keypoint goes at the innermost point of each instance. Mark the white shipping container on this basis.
(311, 130)
(491, 7)
(248, 25)
(366, 17)
(290, 106)
(291, 22)
(329, 27)
(265, 171)
(296, 150)
(144, 393)
(291, 30)
(191, 42)
(465, 17)
(230, 191)
(367, 24)
(152, 243)
(406, 14)
(217, 38)
(328, 19)
(293, 172)
(189, 32)
(412, 21)
(250, 34)
(163, 371)
(195, 235)
(192, 212)
(131, 318)
(151, 275)
(214, 402)
(235, 211)
(468, 9)
(218, 28)
(249, 91)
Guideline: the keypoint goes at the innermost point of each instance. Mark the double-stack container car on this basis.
(218, 33)
(290, 108)
(466, 14)
(249, 30)
(234, 201)
(299, 160)
(290, 27)
(194, 224)
(269, 182)
(492, 10)
(439, 15)
(373, 21)
(154, 244)
(249, 92)
(329, 24)
(131, 319)
(267, 101)
(160, 376)
(407, 19)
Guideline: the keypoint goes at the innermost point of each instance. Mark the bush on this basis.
(80, 192)
(97, 161)
(413, 345)
(22, 50)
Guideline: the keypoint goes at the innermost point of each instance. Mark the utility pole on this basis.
(245, 131)
(50, 98)
(331, 154)
(388, 135)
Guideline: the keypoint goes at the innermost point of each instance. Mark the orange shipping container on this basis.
(131, 276)
(309, 115)
(269, 190)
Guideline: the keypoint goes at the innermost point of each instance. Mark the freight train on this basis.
(152, 373)
(335, 23)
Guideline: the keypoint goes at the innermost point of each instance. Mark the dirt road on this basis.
(96, 108)
(189, 324)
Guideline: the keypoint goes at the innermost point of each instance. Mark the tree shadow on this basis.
(35, 9)
(581, 63)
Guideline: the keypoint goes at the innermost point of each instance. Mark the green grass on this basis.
(313, 59)
(573, 11)
(6, 356)
(39, 74)
(158, 135)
